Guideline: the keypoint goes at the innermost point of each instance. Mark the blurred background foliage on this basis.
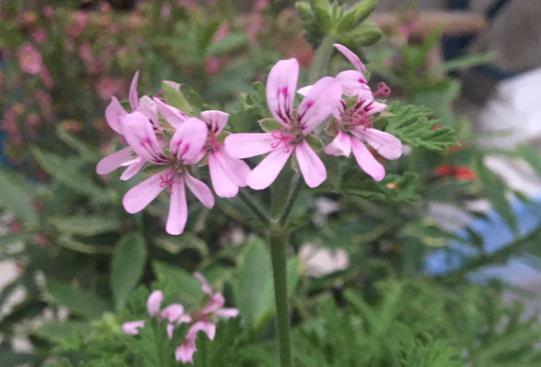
(84, 266)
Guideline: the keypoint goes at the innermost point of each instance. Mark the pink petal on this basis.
(304, 90)
(172, 115)
(319, 103)
(281, 87)
(172, 312)
(215, 302)
(354, 84)
(114, 160)
(184, 352)
(236, 169)
(366, 160)
(222, 184)
(132, 327)
(148, 107)
(188, 141)
(269, 168)
(178, 209)
(142, 194)
(247, 145)
(200, 190)
(207, 327)
(227, 313)
(340, 146)
(310, 164)
(133, 97)
(351, 56)
(154, 302)
(387, 145)
(114, 114)
(132, 169)
(205, 286)
(142, 139)
(170, 330)
(216, 120)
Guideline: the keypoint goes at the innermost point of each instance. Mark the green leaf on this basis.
(188, 240)
(128, 265)
(15, 198)
(392, 188)
(244, 119)
(227, 44)
(315, 142)
(85, 225)
(468, 61)
(81, 147)
(11, 358)
(269, 124)
(79, 301)
(417, 127)
(174, 96)
(532, 156)
(178, 284)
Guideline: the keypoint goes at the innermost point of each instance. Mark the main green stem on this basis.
(278, 242)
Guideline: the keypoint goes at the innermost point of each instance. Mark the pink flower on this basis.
(39, 35)
(154, 303)
(297, 125)
(204, 322)
(354, 123)
(30, 60)
(227, 174)
(132, 327)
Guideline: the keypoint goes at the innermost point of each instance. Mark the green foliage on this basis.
(79, 301)
(17, 198)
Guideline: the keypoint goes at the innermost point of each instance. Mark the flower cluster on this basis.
(187, 142)
(174, 315)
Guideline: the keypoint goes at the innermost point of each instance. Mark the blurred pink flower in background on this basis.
(77, 25)
(39, 35)
(45, 102)
(108, 87)
(30, 60)
(165, 11)
(48, 11)
(255, 22)
(46, 77)
(213, 65)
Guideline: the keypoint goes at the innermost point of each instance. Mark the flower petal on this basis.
(142, 139)
(215, 302)
(312, 168)
(246, 145)
(132, 327)
(114, 160)
(184, 352)
(205, 286)
(387, 145)
(268, 169)
(188, 141)
(227, 313)
(149, 108)
(178, 209)
(222, 184)
(354, 84)
(142, 194)
(340, 146)
(366, 160)
(304, 90)
(207, 327)
(114, 114)
(172, 312)
(216, 120)
(320, 102)
(351, 56)
(236, 169)
(133, 168)
(200, 190)
(281, 88)
(172, 115)
(154, 302)
(133, 97)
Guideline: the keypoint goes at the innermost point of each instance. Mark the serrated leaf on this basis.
(85, 225)
(244, 119)
(174, 97)
(392, 188)
(127, 268)
(15, 198)
(269, 124)
(417, 126)
(79, 301)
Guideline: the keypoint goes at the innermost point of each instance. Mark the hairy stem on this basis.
(296, 184)
(278, 240)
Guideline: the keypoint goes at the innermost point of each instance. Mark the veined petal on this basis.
(281, 88)
(340, 146)
(154, 302)
(246, 145)
(236, 169)
(114, 114)
(354, 83)
(132, 169)
(172, 312)
(351, 56)
(114, 160)
(269, 168)
(178, 208)
(132, 327)
(200, 190)
(312, 168)
(387, 145)
(133, 97)
(319, 103)
(149, 108)
(142, 139)
(188, 141)
(172, 115)
(142, 194)
(366, 160)
(222, 184)
(215, 120)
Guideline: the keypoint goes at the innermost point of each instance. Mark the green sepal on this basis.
(175, 97)
(315, 142)
(269, 124)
